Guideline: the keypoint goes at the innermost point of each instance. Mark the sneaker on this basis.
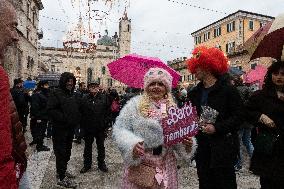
(193, 164)
(68, 175)
(103, 167)
(85, 169)
(66, 183)
(42, 149)
(238, 168)
(77, 141)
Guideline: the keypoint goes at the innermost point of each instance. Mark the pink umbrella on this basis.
(256, 75)
(131, 69)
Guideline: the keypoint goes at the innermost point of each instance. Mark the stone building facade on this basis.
(230, 34)
(90, 66)
(187, 79)
(22, 60)
(231, 31)
(241, 60)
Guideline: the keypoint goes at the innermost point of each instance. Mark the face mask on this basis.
(45, 90)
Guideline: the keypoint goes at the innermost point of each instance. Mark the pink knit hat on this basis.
(158, 75)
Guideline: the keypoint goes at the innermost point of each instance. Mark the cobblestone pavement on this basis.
(41, 171)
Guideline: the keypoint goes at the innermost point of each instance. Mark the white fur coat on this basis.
(131, 127)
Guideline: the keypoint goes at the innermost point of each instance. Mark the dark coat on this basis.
(21, 100)
(79, 94)
(39, 105)
(221, 148)
(267, 102)
(245, 92)
(95, 111)
(62, 106)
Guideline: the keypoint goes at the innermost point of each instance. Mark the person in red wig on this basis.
(219, 107)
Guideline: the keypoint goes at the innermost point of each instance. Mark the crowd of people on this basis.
(66, 115)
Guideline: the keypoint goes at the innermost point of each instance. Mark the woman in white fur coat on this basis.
(138, 133)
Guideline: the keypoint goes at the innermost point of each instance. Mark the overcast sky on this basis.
(160, 28)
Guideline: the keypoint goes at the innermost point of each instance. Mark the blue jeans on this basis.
(24, 182)
(245, 137)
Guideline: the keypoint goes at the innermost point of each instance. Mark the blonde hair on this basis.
(145, 102)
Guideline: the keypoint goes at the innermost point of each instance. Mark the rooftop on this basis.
(106, 41)
(239, 11)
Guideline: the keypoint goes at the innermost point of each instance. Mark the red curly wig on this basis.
(212, 59)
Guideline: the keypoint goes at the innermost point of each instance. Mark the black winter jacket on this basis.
(62, 106)
(21, 100)
(267, 102)
(95, 111)
(39, 106)
(221, 148)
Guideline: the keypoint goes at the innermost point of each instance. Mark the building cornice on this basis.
(233, 16)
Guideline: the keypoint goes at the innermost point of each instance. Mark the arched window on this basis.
(89, 75)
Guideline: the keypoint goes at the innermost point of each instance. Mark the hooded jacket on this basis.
(62, 106)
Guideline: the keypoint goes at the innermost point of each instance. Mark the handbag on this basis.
(265, 143)
(142, 175)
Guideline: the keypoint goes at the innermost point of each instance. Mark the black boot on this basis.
(103, 167)
(77, 141)
(42, 148)
(85, 169)
(32, 143)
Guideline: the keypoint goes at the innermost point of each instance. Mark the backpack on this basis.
(115, 107)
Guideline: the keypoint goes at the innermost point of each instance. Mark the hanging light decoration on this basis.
(83, 37)
(109, 3)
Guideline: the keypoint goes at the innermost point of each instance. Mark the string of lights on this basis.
(198, 7)
(57, 19)
(150, 47)
(156, 44)
(162, 45)
(142, 30)
(62, 9)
